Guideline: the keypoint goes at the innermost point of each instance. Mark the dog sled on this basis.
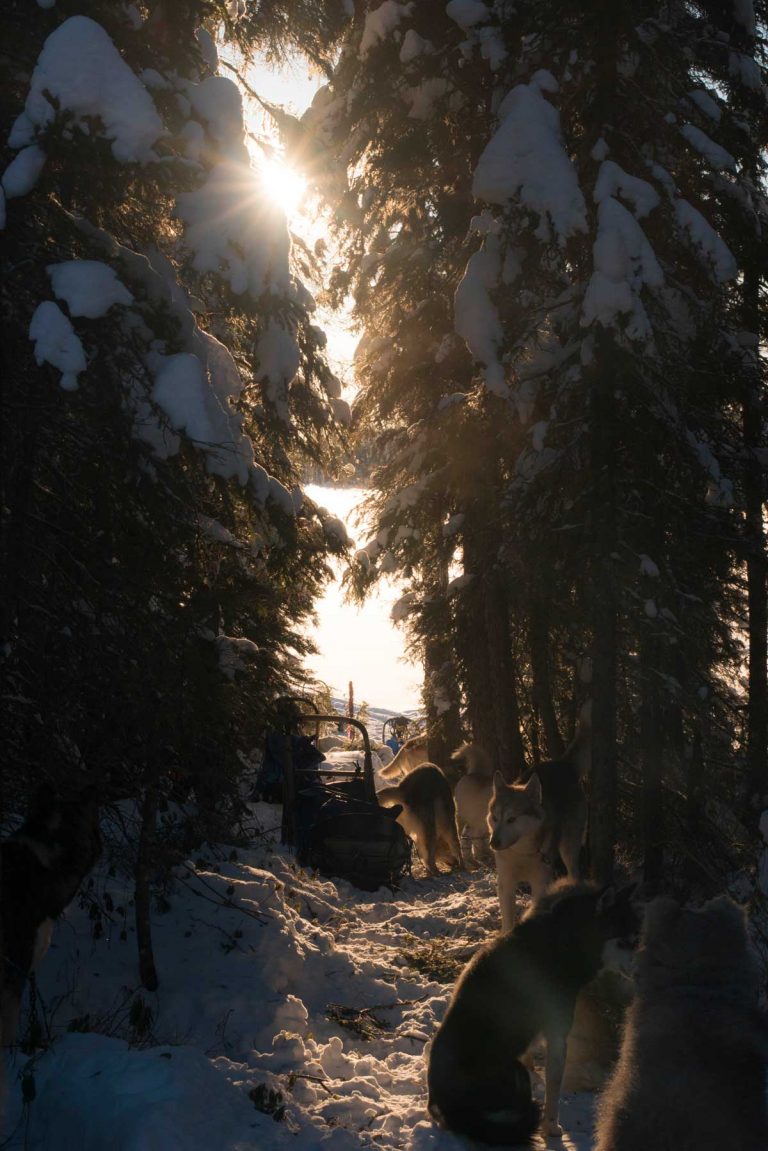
(331, 817)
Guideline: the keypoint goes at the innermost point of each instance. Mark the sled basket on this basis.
(367, 848)
(332, 819)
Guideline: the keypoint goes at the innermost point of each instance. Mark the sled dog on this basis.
(42, 865)
(536, 822)
(473, 797)
(522, 985)
(428, 815)
(411, 755)
(692, 1069)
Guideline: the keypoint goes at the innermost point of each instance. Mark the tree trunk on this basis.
(509, 740)
(604, 611)
(538, 637)
(694, 782)
(147, 969)
(652, 757)
(757, 587)
(441, 687)
(441, 697)
(472, 645)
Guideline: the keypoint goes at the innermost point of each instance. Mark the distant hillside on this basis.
(377, 715)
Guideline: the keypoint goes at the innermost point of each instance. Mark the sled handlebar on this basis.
(367, 760)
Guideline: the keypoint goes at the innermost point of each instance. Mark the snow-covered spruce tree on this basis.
(162, 386)
(410, 109)
(614, 174)
(749, 219)
(404, 119)
(605, 310)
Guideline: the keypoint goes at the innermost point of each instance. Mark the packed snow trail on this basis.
(292, 1011)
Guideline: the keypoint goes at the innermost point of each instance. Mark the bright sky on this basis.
(361, 644)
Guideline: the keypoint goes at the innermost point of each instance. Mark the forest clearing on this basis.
(544, 227)
(271, 981)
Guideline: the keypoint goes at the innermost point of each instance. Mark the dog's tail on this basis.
(506, 1117)
(474, 760)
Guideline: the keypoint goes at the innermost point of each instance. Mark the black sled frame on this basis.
(332, 819)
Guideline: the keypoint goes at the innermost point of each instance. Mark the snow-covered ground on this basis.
(279, 991)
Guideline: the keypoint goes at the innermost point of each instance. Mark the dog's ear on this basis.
(533, 789)
(499, 782)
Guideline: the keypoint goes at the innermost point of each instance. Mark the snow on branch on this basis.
(381, 22)
(705, 102)
(23, 172)
(702, 235)
(476, 318)
(88, 287)
(81, 72)
(713, 153)
(230, 650)
(182, 390)
(526, 160)
(467, 13)
(612, 180)
(279, 360)
(232, 229)
(57, 343)
(745, 70)
(625, 263)
(403, 607)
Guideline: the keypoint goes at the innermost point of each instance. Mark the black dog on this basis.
(523, 985)
(41, 867)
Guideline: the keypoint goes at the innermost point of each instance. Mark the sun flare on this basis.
(284, 185)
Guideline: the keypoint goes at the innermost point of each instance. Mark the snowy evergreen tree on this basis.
(410, 139)
(163, 385)
(615, 158)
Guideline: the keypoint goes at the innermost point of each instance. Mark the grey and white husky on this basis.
(535, 823)
(42, 866)
(428, 815)
(521, 986)
(692, 1070)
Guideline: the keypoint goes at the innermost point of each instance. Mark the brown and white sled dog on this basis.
(473, 797)
(411, 755)
(42, 865)
(521, 986)
(692, 1070)
(535, 823)
(428, 815)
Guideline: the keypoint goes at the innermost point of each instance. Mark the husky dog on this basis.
(412, 754)
(473, 797)
(522, 985)
(516, 822)
(533, 823)
(42, 866)
(692, 1069)
(428, 815)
